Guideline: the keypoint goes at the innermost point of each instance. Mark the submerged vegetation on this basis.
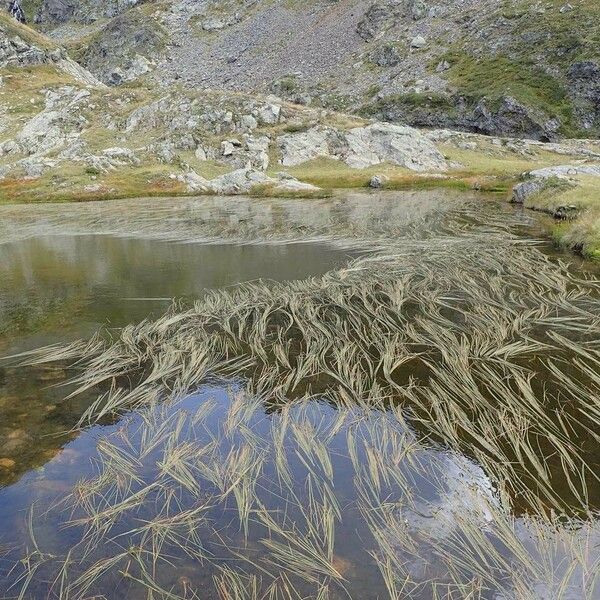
(421, 423)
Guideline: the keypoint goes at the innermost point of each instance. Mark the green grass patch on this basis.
(331, 174)
(29, 35)
(582, 232)
(499, 76)
(561, 37)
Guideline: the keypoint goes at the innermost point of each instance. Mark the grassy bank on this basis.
(578, 205)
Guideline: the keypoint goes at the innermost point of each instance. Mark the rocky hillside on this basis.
(63, 129)
(500, 67)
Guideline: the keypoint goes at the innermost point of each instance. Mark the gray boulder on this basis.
(298, 148)
(244, 181)
(269, 114)
(59, 124)
(566, 171)
(363, 147)
(418, 42)
(378, 181)
(386, 143)
(524, 190)
(238, 182)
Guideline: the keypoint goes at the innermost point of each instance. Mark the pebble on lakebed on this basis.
(7, 463)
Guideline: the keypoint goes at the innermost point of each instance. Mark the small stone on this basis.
(378, 181)
(227, 148)
(17, 434)
(418, 42)
(269, 114)
(248, 122)
(200, 154)
(7, 463)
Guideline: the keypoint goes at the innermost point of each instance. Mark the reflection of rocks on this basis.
(359, 216)
(51, 486)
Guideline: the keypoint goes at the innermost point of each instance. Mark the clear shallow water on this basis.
(464, 488)
(69, 283)
(62, 287)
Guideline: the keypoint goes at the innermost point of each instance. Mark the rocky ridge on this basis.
(506, 67)
(209, 141)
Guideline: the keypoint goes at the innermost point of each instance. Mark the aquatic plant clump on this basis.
(461, 367)
(474, 339)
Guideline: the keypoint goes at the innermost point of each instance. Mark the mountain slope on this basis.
(503, 67)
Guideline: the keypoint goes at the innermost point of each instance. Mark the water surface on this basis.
(57, 288)
(67, 271)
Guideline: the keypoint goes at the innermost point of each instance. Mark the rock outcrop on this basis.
(523, 73)
(363, 147)
(54, 12)
(584, 88)
(245, 181)
(125, 49)
(538, 180)
(17, 51)
(504, 117)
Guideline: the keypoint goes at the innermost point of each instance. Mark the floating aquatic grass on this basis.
(463, 367)
(430, 520)
(457, 339)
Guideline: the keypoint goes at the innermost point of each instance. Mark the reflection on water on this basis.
(186, 496)
(74, 284)
(345, 219)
